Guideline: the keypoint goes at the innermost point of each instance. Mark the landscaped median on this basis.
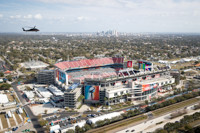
(174, 106)
(119, 124)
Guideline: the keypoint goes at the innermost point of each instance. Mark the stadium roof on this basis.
(85, 63)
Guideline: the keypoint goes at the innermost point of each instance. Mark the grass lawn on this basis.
(118, 107)
(121, 123)
(174, 106)
(17, 118)
(195, 123)
(12, 122)
(15, 97)
(182, 65)
(4, 121)
(10, 98)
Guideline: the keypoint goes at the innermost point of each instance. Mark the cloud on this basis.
(1, 15)
(86, 2)
(15, 17)
(81, 18)
(29, 16)
(38, 16)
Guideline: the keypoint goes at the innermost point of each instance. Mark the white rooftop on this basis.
(44, 92)
(34, 64)
(29, 94)
(55, 90)
(154, 80)
(3, 98)
(113, 89)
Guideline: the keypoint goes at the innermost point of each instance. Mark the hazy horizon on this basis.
(132, 16)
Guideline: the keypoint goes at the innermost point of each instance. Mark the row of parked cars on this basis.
(93, 115)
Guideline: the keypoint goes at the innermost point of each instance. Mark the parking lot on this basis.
(14, 121)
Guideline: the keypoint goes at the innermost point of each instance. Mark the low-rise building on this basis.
(34, 65)
(29, 94)
(3, 99)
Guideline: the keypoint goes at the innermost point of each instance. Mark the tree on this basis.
(39, 116)
(1, 74)
(9, 77)
(45, 111)
(86, 127)
(5, 86)
(78, 129)
(28, 88)
(160, 131)
(169, 127)
(146, 102)
(188, 127)
(80, 98)
(43, 122)
(70, 131)
(23, 69)
(47, 128)
(92, 108)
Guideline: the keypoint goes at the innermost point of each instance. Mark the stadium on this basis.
(78, 70)
(110, 80)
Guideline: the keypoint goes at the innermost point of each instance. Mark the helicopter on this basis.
(32, 29)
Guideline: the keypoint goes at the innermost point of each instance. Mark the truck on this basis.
(20, 111)
(9, 114)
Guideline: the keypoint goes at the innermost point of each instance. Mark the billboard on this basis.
(145, 65)
(148, 87)
(62, 77)
(129, 64)
(91, 92)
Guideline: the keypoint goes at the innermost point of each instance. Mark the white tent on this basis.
(54, 128)
(103, 117)
(3, 98)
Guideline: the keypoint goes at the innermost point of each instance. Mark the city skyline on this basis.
(93, 16)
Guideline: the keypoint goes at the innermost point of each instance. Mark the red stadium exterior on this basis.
(81, 69)
(87, 63)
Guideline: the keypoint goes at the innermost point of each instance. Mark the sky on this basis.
(101, 15)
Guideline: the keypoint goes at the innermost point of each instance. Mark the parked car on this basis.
(14, 129)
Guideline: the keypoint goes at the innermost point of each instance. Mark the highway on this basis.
(150, 125)
(33, 118)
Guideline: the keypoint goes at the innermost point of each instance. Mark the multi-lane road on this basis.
(154, 123)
